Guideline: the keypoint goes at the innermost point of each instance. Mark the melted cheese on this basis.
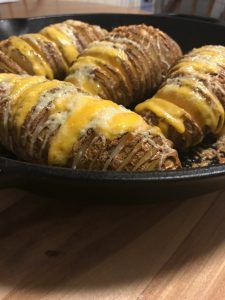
(204, 60)
(196, 105)
(80, 117)
(82, 75)
(112, 56)
(105, 50)
(59, 104)
(35, 40)
(8, 81)
(61, 99)
(199, 65)
(173, 114)
(39, 65)
(212, 51)
(63, 41)
(212, 54)
(8, 76)
(89, 113)
(28, 99)
(124, 122)
(24, 83)
(86, 84)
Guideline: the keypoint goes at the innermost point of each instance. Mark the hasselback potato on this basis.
(53, 122)
(127, 65)
(190, 103)
(49, 52)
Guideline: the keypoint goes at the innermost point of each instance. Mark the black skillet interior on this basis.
(189, 32)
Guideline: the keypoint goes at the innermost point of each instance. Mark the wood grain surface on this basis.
(31, 8)
(62, 249)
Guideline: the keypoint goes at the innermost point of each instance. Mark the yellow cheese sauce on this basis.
(200, 65)
(22, 84)
(112, 56)
(82, 77)
(204, 60)
(69, 132)
(194, 104)
(86, 84)
(209, 50)
(63, 41)
(173, 114)
(10, 80)
(83, 116)
(6, 76)
(64, 103)
(124, 122)
(39, 65)
(28, 99)
(215, 54)
(35, 40)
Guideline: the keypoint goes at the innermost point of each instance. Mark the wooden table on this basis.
(52, 249)
(59, 249)
(30, 8)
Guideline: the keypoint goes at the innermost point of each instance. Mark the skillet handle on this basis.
(198, 18)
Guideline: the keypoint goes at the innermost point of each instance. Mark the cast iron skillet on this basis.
(189, 32)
